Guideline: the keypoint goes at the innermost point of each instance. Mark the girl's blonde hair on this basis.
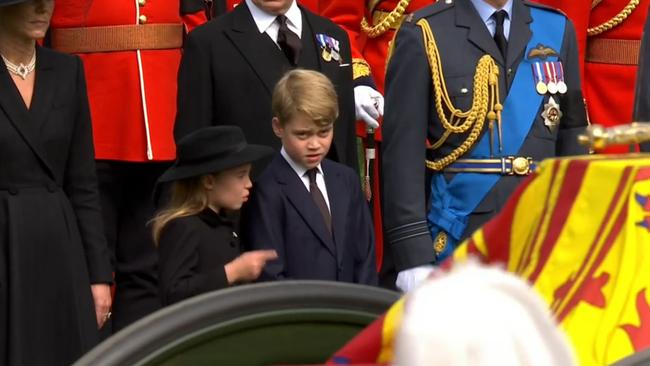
(188, 198)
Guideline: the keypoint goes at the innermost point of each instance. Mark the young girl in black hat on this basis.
(197, 238)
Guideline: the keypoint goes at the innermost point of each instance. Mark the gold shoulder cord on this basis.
(485, 101)
(595, 3)
(391, 20)
(360, 68)
(615, 21)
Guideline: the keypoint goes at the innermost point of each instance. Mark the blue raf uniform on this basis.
(491, 98)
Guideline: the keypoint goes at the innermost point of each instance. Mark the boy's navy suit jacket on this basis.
(282, 215)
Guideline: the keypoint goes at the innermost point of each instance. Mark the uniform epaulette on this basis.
(433, 9)
(545, 7)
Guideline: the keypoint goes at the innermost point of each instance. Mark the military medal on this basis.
(334, 49)
(551, 84)
(540, 86)
(335, 56)
(330, 49)
(561, 85)
(326, 54)
(552, 113)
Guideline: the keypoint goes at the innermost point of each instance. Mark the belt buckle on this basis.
(520, 165)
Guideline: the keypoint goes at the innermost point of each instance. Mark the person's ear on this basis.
(277, 127)
(208, 182)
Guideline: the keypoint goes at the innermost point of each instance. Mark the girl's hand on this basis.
(248, 266)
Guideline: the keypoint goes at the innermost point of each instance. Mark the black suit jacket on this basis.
(411, 117)
(193, 252)
(282, 215)
(229, 70)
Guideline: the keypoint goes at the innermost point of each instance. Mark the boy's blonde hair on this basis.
(308, 92)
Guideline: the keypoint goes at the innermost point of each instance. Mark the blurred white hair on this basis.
(479, 316)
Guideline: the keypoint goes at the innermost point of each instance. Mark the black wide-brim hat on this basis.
(211, 150)
(11, 2)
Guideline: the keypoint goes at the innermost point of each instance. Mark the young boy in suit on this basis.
(308, 208)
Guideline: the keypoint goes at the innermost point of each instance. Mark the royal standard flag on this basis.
(579, 232)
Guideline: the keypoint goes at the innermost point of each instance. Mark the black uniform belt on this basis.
(509, 165)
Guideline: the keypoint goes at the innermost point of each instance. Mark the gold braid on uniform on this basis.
(615, 21)
(391, 20)
(360, 68)
(485, 102)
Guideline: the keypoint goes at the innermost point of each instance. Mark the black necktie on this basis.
(317, 195)
(499, 35)
(288, 41)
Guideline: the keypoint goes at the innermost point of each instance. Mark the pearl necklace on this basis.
(21, 70)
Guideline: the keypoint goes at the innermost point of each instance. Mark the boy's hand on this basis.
(248, 266)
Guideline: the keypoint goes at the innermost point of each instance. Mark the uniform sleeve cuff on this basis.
(411, 245)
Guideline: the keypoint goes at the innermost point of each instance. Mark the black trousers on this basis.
(126, 191)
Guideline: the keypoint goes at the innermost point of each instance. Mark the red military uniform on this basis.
(131, 50)
(371, 26)
(609, 49)
(132, 93)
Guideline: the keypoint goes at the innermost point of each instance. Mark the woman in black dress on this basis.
(54, 264)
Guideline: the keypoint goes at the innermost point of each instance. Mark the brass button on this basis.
(440, 243)
(142, 3)
(521, 166)
(142, 19)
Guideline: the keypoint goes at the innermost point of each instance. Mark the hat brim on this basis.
(10, 2)
(248, 155)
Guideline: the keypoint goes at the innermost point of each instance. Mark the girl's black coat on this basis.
(193, 252)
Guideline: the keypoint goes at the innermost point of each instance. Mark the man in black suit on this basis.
(231, 64)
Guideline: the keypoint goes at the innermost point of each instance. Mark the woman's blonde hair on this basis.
(308, 92)
(188, 198)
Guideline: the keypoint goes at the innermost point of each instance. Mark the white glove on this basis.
(409, 279)
(368, 105)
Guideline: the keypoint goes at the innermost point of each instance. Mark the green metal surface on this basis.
(281, 337)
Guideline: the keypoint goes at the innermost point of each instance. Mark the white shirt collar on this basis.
(266, 22)
(486, 10)
(298, 168)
